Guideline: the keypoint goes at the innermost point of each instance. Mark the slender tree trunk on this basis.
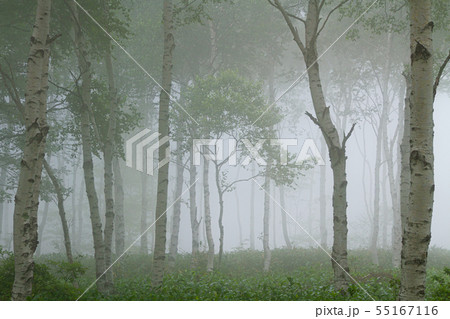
(252, 211)
(173, 249)
(108, 157)
(323, 201)
(42, 225)
(80, 213)
(119, 222)
(61, 210)
(376, 206)
(336, 147)
(86, 140)
(311, 203)
(274, 219)
(338, 159)
(163, 129)
(195, 224)
(144, 214)
(266, 226)
(417, 234)
(73, 230)
(238, 217)
(339, 251)
(396, 207)
(284, 219)
(221, 209)
(36, 128)
(2, 204)
(209, 237)
(384, 209)
(108, 163)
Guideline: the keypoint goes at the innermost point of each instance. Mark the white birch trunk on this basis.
(417, 232)
(36, 128)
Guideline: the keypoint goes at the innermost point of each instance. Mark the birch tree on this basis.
(27, 194)
(163, 129)
(417, 228)
(417, 218)
(336, 146)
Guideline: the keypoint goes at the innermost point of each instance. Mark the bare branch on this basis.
(346, 137)
(10, 86)
(328, 16)
(240, 180)
(293, 29)
(439, 75)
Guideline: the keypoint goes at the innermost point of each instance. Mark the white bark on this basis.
(417, 230)
(36, 128)
(209, 237)
(119, 229)
(266, 225)
(195, 224)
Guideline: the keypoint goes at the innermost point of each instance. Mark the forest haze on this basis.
(224, 150)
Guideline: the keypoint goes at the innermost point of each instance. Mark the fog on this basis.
(236, 74)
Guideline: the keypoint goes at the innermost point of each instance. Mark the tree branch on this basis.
(293, 29)
(439, 75)
(328, 16)
(346, 137)
(12, 91)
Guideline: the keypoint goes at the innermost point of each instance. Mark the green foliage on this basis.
(45, 285)
(440, 285)
(68, 272)
(297, 274)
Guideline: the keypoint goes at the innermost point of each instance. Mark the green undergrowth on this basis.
(298, 274)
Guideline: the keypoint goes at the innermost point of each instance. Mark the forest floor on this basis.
(298, 274)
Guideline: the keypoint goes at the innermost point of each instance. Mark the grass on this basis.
(298, 274)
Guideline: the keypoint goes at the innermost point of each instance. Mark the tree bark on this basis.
(274, 216)
(73, 230)
(397, 223)
(108, 157)
(193, 212)
(323, 201)
(287, 240)
(173, 249)
(376, 206)
(79, 235)
(163, 129)
(36, 128)
(266, 225)
(119, 229)
(336, 148)
(2, 204)
(42, 225)
(144, 214)
(238, 216)
(252, 211)
(209, 237)
(221, 210)
(405, 173)
(417, 232)
(61, 210)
